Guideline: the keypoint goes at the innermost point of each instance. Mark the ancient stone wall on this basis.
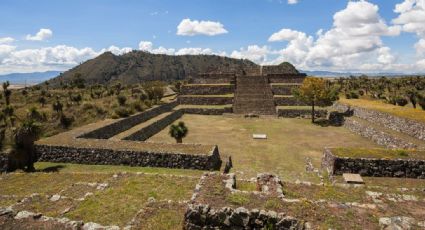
(200, 216)
(410, 127)
(215, 78)
(152, 129)
(293, 113)
(186, 100)
(95, 156)
(4, 162)
(285, 78)
(288, 101)
(410, 168)
(208, 111)
(120, 126)
(207, 89)
(381, 138)
(283, 89)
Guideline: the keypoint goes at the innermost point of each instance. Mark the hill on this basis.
(140, 66)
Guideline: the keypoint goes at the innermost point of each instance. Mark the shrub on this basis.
(121, 99)
(401, 101)
(66, 121)
(361, 92)
(421, 101)
(123, 112)
(138, 106)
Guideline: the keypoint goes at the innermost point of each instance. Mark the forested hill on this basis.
(138, 66)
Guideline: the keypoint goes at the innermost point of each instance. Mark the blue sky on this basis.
(367, 40)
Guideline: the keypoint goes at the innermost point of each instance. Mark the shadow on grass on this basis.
(55, 168)
(325, 123)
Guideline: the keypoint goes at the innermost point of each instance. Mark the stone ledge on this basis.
(410, 127)
(374, 167)
(207, 89)
(214, 100)
(293, 113)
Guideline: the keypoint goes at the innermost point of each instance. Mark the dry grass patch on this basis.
(406, 112)
(378, 153)
(118, 204)
(289, 143)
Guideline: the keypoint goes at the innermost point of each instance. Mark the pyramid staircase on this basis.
(253, 96)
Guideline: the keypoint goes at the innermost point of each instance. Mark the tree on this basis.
(315, 91)
(78, 81)
(6, 92)
(412, 94)
(25, 137)
(57, 106)
(178, 131)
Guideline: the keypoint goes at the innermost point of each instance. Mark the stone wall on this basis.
(95, 156)
(207, 89)
(188, 100)
(381, 138)
(200, 216)
(293, 113)
(285, 78)
(214, 78)
(208, 111)
(152, 129)
(410, 127)
(4, 162)
(283, 89)
(120, 126)
(288, 101)
(410, 168)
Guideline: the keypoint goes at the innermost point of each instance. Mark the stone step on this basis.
(382, 135)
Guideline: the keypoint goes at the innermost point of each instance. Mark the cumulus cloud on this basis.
(420, 47)
(6, 40)
(188, 27)
(291, 2)
(41, 35)
(148, 46)
(254, 53)
(117, 50)
(411, 16)
(354, 39)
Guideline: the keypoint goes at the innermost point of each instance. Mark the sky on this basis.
(332, 35)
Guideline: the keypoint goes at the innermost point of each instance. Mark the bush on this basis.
(123, 112)
(401, 101)
(361, 92)
(351, 95)
(121, 100)
(421, 101)
(138, 106)
(65, 121)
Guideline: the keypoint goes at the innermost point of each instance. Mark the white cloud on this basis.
(188, 27)
(145, 45)
(354, 39)
(116, 50)
(6, 40)
(41, 35)
(193, 51)
(420, 47)
(253, 52)
(291, 2)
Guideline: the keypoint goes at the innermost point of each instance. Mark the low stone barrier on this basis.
(143, 158)
(208, 111)
(410, 168)
(120, 126)
(193, 100)
(207, 89)
(293, 113)
(152, 129)
(283, 89)
(4, 162)
(286, 78)
(381, 138)
(410, 127)
(288, 101)
(200, 216)
(219, 78)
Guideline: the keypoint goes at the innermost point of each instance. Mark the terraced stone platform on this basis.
(120, 146)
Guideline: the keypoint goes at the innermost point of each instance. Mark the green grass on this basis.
(222, 95)
(119, 204)
(378, 153)
(239, 199)
(79, 168)
(246, 186)
(415, 114)
(289, 142)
